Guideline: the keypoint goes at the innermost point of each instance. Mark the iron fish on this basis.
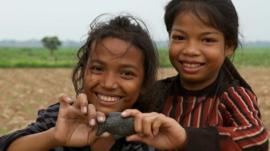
(116, 125)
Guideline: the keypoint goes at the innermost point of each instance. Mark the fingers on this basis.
(156, 126)
(101, 117)
(130, 112)
(95, 116)
(64, 100)
(147, 121)
(92, 114)
(66, 109)
(145, 124)
(89, 110)
(151, 123)
(82, 103)
(137, 119)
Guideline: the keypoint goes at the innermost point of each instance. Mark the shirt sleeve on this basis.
(199, 139)
(45, 120)
(242, 127)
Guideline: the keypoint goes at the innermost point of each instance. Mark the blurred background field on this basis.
(36, 57)
(66, 57)
(31, 79)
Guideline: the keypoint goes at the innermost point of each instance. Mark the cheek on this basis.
(173, 55)
(216, 60)
(215, 56)
(174, 50)
(90, 81)
(133, 89)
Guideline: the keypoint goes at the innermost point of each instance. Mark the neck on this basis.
(198, 85)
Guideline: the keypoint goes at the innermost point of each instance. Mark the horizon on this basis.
(34, 43)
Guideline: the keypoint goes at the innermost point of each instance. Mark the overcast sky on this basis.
(69, 19)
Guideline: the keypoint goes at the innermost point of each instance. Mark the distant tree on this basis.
(51, 43)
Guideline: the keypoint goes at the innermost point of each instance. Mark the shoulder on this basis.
(48, 115)
(52, 109)
(238, 95)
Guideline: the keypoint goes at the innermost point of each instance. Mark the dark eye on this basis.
(209, 40)
(96, 69)
(177, 37)
(127, 75)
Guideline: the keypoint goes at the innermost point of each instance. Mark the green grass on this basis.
(242, 57)
(36, 57)
(252, 57)
(66, 57)
(164, 60)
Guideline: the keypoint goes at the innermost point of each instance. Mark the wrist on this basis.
(53, 141)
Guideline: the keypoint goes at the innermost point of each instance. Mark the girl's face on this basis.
(114, 76)
(197, 51)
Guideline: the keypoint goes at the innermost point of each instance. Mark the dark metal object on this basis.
(116, 125)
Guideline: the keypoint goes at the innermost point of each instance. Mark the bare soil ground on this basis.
(24, 91)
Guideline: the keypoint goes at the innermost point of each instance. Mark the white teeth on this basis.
(189, 65)
(108, 98)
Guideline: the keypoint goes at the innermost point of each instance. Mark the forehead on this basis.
(115, 46)
(192, 21)
(190, 15)
(114, 49)
(204, 14)
(203, 11)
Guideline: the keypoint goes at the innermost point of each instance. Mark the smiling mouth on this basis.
(107, 98)
(191, 68)
(191, 65)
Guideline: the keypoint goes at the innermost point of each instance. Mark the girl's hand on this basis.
(157, 130)
(76, 123)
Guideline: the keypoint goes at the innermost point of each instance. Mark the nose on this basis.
(191, 48)
(109, 81)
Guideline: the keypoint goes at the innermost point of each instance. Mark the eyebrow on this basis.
(204, 33)
(132, 66)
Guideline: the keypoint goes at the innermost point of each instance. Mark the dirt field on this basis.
(24, 91)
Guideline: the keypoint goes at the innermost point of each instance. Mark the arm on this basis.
(34, 142)
(42, 124)
(71, 128)
(241, 115)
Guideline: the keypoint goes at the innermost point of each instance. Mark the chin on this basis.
(190, 78)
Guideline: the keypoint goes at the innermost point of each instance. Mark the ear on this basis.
(229, 50)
